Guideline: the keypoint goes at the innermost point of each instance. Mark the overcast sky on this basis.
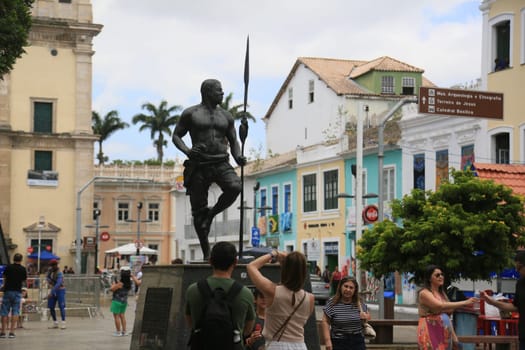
(163, 49)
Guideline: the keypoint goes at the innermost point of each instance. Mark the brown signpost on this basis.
(462, 103)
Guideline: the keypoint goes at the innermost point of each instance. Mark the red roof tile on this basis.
(511, 175)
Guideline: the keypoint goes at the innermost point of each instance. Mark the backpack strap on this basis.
(206, 293)
(234, 290)
(204, 289)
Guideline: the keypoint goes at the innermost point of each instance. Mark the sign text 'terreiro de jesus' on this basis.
(463, 103)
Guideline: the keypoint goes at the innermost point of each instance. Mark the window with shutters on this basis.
(309, 193)
(43, 117)
(43, 160)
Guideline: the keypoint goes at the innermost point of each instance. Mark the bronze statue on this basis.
(212, 130)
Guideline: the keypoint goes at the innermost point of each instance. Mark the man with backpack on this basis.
(219, 310)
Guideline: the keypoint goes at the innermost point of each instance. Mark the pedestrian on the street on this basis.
(55, 279)
(335, 278)
(223, 259)
(343, 317)
(435, 329)
(23, 300)
(14, 276)
(255, 341)
(326, 274)
(119, 303)
(288, 305)
(518, 303)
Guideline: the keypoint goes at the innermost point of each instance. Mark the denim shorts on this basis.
(11, 302)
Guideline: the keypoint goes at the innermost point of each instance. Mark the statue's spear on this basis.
(243, 133)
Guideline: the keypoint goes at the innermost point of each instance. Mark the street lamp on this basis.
(41, 224)
(380, 162)
(138, 221)
(97, 226)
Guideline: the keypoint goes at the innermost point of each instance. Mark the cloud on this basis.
(163, 49)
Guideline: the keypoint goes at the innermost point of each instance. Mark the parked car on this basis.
(320, 289)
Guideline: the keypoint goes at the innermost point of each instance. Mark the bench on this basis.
(491, 339)
(385, 329)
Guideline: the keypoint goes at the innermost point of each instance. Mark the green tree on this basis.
(160, 121)
(237, 110)
(105, 127)
(15, 24)
(469, 227)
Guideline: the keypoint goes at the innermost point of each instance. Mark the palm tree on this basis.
(236, 111)
(159, 120)
(104, 127)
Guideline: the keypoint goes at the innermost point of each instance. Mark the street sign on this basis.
(105, 236)
(256, 236)
(370, 214)
(462, 103)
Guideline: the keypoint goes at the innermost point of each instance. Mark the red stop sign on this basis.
(370, 213)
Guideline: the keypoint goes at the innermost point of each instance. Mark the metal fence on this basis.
(83, 294)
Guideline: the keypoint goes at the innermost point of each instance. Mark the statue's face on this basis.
(215, 93)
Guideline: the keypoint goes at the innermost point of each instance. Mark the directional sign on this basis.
(462, 103)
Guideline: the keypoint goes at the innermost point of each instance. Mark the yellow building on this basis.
(503, 70)
(46, 142)
(320, 213)
(119, 193)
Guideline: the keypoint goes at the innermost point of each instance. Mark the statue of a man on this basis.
(212, 131)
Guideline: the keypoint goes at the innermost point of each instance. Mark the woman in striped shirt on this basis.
(343, 317)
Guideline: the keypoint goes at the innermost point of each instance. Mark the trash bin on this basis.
(465, 323)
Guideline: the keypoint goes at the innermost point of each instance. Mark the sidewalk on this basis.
(82, 333)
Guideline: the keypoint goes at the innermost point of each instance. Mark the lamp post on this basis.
(380, 160)
(97, 226)
(255, 189)
(138, 221)
(41, 224)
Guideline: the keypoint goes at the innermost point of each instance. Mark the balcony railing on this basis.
(154, 172)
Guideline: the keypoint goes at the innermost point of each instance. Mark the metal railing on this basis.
(82, 293)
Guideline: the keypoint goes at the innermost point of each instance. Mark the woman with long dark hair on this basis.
(343, 317)
(288, 305)
(119, 302)
(435, 330)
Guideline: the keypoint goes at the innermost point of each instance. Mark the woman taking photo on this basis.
(435, 330)
(343, 318)
(119, 302)
(288, 305)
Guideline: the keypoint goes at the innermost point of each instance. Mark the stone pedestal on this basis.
(159, 319)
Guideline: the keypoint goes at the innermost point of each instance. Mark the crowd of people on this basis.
(273, 315)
